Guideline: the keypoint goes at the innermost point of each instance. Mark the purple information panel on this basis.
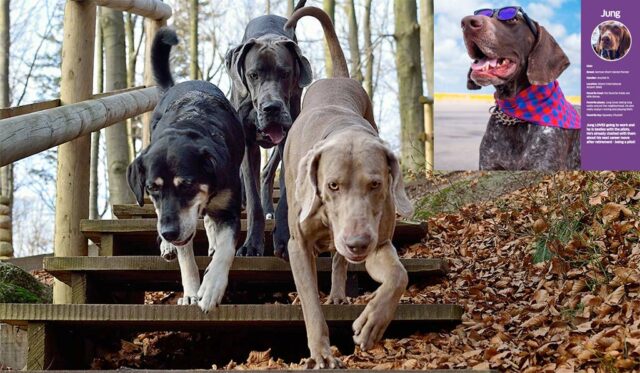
(610, 85)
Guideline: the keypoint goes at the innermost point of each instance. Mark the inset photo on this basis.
(611, 40)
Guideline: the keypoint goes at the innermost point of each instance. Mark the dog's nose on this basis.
(472, 23)
(272, 107)
(358, 244)
(170, 233)
(606, 38)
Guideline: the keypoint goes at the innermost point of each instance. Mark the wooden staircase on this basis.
(108, 296)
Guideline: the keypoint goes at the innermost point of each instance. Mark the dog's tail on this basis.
(340, 69)
(160, 49)
(299, 5)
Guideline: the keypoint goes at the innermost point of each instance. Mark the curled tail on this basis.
(160, 49)
(340, 69)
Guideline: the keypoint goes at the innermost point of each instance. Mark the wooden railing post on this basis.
(151, 27)
(427, 102)
(72, 197)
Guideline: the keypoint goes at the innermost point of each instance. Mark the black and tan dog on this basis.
(533, 126)
(191, 168)
(268, 73)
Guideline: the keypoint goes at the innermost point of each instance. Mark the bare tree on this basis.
(6, 173)
(290, 7)
(194, 70)
(354, 45)
(407, 38)
(116, 78)
(329, 7)
(368, 49)
(95, 136)
(426, 39)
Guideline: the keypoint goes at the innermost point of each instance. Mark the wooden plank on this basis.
(13, 347)
(39, 351)
(168, 316)
(145, 271)
(32, 133)
(106, 247)
(293, 371)
(79, 286)
(136, 212)
(29, 108)
(153, 9)
(139, 236)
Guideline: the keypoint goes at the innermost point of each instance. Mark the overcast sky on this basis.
(560, 17)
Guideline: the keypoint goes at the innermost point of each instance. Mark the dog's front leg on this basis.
(254, 243)
(281, 229)
(216, 276)
(384, 267)
(189, 274)
(266, 182)
(339, 266)
(303, 266)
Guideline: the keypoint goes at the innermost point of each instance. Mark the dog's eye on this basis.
(333, 186)
(252, 76)
(375, 184)
(151, 188)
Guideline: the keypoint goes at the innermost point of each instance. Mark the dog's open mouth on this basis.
(486, 64)
(274, 133)
(182, 243)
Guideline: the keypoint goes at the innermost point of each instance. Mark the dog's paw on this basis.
(337, 299)
(250, 250)
(168, 252)
(187, 300)
(280, 242)
(370, 326)
(323, 360)
(211, 291)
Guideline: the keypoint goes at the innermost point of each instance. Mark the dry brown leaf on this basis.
(616, 295)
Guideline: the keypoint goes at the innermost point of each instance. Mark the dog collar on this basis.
(543, 105)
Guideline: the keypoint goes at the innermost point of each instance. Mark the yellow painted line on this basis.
(575, 100)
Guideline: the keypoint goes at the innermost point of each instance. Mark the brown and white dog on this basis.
(344, 186)
(614, 40)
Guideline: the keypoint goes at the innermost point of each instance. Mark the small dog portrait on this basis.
(611, 40)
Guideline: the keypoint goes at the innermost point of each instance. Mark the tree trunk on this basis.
(368, 50)
(193, 41)
(354, 47)
(290, 6)
(116, 78)
(426, 39)
(6, 173)
(268, 7)
(329, 7)
(129, 29)
(407, 35)
(95, 137)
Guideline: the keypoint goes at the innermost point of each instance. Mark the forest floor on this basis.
(546, 267)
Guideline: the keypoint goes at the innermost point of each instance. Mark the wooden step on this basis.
(136, 212)
(105, 279)
(139, 236)
(59, 335)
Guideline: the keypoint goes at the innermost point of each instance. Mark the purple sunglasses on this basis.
(507, 14)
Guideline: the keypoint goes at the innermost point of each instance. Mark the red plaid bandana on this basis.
(544, 105)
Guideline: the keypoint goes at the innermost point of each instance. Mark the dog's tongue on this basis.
(481, 63)
(275, 134)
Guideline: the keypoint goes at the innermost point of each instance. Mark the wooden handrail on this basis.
(153, 9)
(32, 133)
(35, 107)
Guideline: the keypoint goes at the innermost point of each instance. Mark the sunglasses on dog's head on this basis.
(507, 14)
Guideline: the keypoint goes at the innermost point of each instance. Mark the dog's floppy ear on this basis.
(470, 83)
(307, 192)
(136, 177)
(396, 186)
(625, 42)
(547, 60)
(234, 61)
(306, 74)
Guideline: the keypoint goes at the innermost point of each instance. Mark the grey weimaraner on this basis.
(344, 186)
(268, 72)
